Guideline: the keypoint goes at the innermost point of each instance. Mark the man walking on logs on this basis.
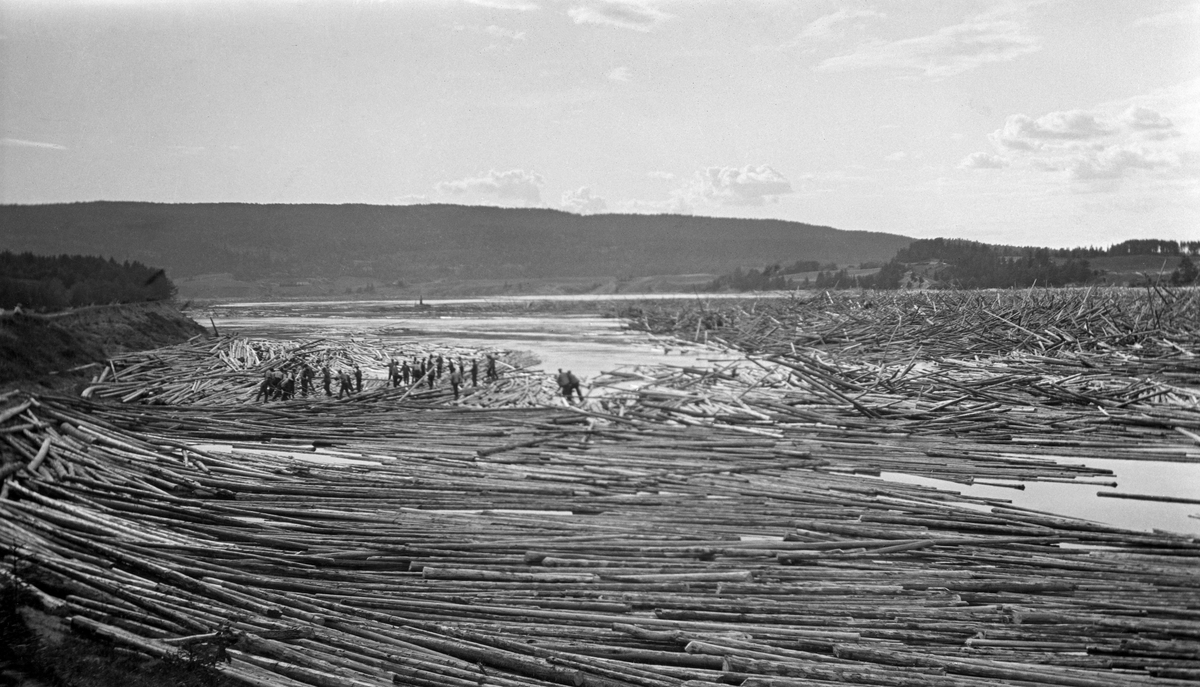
(456, 379)
(357, 379)
(326, 378)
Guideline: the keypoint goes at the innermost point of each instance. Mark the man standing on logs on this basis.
(393, 373)
(344, 384)
(287, 390)
(357, 379)
(456, 379)
(326, 378)
(264, 388)
(491, 368)
(306, 379)
(474, 372)
(405, 372)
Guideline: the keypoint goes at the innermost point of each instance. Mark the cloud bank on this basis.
(749, 185)
(515, 184)
(951, 50)
(1088, 145)
(582, 202)
(623, 14)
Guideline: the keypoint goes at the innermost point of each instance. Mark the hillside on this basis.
(421, 242)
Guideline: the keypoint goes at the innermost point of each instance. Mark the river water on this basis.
(590, 345)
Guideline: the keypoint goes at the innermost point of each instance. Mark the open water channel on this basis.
(590, 345)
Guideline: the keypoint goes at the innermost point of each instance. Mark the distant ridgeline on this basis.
(53, 283)
(422, 242)
(958, 263)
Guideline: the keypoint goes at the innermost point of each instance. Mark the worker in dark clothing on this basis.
(573, 385)
(393, 373)
(474, 373)
(357, 379)
(564, 384)
(344, 384)
(456, 380)
(440, 365)
(306, 379)
(287, 390)
(491, 368)
(405, 373)
(568, 383)
(326, 378)
(264, 389)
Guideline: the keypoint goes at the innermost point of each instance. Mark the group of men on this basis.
(278, 386)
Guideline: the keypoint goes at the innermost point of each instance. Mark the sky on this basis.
(1054, 123)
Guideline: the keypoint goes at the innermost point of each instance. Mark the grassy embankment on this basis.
(39, 349)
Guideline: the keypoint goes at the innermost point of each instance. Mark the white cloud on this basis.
(517, 5)
(983, 160)
(501, 32)
(1025, 133)
(1097, 148)
(750, 185)
(22, 143)
(951, 50)
(832, 25)
(618, 74)
(624, 14)
(515, 184)
(1145, 119)
(666, 176)
(896, 156)
(1115, 162)
(582, 202)
(1188, 13)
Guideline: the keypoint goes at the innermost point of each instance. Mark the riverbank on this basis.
(58, 350)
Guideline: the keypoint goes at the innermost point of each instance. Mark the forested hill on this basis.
(421, 241)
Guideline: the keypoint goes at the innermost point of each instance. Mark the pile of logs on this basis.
(683, 526)
(1103, 374)
(458, 546)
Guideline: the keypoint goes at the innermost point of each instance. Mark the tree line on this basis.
(960, 263)
(49, 283)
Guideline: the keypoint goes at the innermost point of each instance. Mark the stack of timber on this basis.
(375, 544)
(1100, 374)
